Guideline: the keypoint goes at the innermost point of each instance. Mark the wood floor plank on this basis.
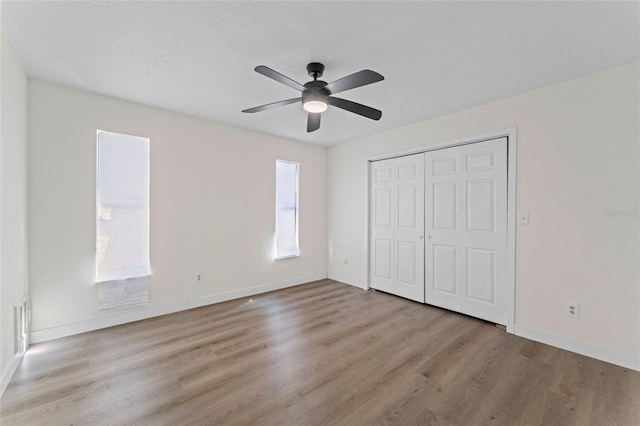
(323, 353)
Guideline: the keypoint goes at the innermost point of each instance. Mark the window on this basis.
(286, 209)
(122, 223)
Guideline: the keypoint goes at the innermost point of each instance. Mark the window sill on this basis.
(137, 277)
(288, 256)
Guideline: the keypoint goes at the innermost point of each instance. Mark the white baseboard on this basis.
(343, 280)
(36, 336)
(46, 334)
(624, 360)
(8, 373)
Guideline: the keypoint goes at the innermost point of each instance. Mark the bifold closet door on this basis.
(466, 229)
(397, 226)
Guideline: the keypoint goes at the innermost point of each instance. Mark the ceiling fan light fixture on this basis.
(315, 106)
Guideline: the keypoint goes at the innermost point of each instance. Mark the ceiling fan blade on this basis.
(313, 123)
(358, 79)
(355, 107)
(272, 105)
(268, 72)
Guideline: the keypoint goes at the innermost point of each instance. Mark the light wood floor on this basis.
(318, 354)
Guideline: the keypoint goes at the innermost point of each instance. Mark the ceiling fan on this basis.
(317, 94)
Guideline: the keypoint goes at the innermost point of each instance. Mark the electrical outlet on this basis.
(198, 278)
(572, 310)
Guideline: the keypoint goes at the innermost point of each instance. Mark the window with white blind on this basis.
(286, 209)
(122, 223)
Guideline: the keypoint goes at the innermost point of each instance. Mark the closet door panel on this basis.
(466, 227)
(397, 226)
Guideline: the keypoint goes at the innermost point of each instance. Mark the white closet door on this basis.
(397, 226)
(466, 226)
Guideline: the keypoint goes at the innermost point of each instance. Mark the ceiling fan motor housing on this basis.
(315, 91)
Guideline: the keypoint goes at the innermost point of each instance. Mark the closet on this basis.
(438, 228)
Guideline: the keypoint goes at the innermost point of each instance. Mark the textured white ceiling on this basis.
(197, 58)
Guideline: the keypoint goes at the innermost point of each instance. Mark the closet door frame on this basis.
(511, 135)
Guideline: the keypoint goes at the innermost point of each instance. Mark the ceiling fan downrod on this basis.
(315, 70)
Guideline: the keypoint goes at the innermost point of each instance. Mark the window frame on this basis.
(296, 253)
(98, 278)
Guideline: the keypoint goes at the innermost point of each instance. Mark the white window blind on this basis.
(286, 209)
(122, 218)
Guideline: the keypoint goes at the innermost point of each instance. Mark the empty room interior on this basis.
(320, 213)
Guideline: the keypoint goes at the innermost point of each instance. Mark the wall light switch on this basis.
(523, 218)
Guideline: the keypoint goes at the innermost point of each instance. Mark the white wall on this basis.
(212, 209)
(578, 151)
(13, 207)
